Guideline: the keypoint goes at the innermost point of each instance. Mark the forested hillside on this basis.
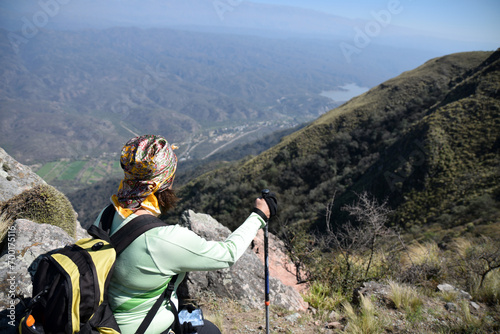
(426, 141)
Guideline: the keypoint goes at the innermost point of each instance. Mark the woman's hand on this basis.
(261, 204)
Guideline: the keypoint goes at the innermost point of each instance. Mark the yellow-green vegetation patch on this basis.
(82, 171)
(46, 169)
(53, 170)
(88, 173)
(323, 297)
(42, 204)
(72, 170)
(99, 172)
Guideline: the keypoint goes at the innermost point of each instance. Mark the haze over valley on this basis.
(81, 78)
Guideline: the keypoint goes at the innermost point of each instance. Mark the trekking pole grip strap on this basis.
(261, 214)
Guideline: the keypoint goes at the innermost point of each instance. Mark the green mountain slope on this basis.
(413, 141)
(453, 177)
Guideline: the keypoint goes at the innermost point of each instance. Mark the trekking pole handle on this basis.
(271, 200)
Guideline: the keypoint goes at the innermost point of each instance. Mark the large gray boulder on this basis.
(26, 240)
(24, 243)
(244, 281)
(15, 177)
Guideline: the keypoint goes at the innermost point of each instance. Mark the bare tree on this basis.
(481, 259)
(361, 238)
(354, 243)
(372, 217)
(329, 211)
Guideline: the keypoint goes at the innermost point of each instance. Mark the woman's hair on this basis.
(166, 199)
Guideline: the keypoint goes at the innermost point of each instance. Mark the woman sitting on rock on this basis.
(148, 264)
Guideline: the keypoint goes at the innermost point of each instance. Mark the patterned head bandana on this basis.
(149, 164)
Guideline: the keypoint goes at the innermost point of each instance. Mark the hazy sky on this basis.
(472, 20)
(442, 25)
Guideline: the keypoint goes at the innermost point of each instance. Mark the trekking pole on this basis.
(265, 192)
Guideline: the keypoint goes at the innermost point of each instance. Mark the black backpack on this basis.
(70, 284)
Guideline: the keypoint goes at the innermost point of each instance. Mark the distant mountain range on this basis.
(84, 93)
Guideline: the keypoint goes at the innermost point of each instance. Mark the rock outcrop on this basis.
(24, 195)
(15, 177)
(244, 281)
(42, 204)
(25, 241)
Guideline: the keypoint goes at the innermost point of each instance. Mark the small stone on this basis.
(446, 287)
(334, 325)
(465, 295)
(333, 316)
(450, 307)
(293, 317)
(475, 305)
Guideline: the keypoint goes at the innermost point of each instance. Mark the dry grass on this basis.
(461, 246)
(404, 297)
(419, 254)
(366, 321)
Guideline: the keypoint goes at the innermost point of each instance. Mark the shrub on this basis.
(421, 264)
(489, 291)
(323, 297)
(478, 266)
(359, 250)
(42, 204)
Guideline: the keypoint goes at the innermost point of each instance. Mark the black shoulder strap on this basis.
(102, 231)
(134, 228)
(128, 233)
(107, 218)
(166, 294)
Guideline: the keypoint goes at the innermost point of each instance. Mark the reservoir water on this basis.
(344, 93)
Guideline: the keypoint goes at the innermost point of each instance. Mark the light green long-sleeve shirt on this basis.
(146, 266)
